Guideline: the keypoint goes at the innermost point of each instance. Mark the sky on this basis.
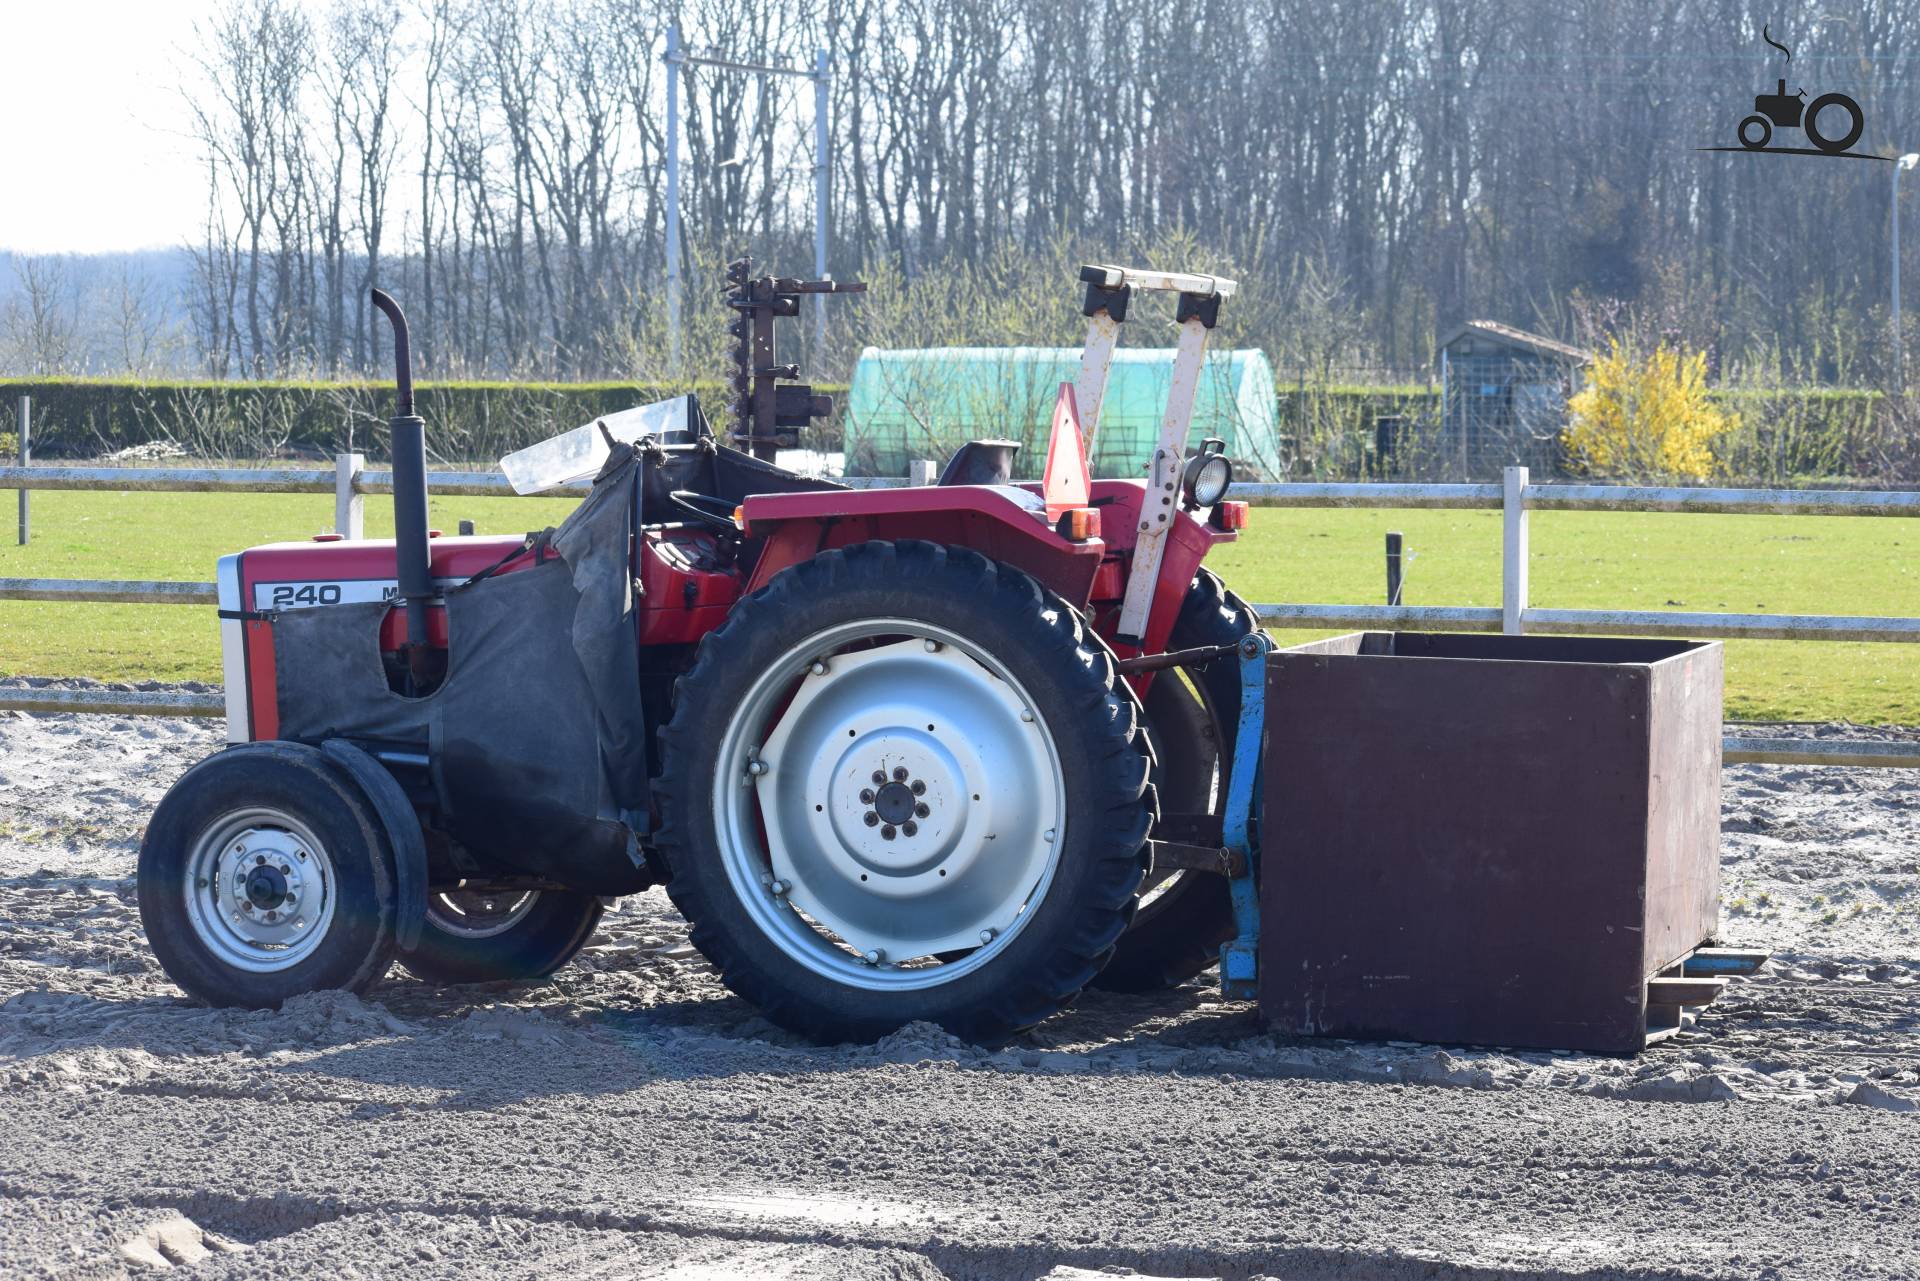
(93, 117)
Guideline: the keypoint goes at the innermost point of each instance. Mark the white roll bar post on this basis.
(1105, 309)
(1109, 289)
(1197, 314)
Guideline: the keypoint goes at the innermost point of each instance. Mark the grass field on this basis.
(1581, 560)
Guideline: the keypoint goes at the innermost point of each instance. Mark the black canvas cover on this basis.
(537, 736)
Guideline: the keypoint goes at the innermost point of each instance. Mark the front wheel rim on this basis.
(890, 805)
(260, 890)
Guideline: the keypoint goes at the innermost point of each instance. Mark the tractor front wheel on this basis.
(265, 874)
(901, 784)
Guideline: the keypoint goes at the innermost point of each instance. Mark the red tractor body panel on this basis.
(991, 520)
(277, 576)
(687, 589)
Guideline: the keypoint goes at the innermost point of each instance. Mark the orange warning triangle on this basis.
(1065, 484)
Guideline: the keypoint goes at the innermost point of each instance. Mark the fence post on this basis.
(349, 505)
(920, 472)
(26, 458)
(1513, 550)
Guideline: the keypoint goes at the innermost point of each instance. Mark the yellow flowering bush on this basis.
(1646, 418)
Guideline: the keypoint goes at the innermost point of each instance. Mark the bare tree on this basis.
(1441, 159)
(40, 321)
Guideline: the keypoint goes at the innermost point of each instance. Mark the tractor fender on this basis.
(403, 832)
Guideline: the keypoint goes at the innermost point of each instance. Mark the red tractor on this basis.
(895, 754)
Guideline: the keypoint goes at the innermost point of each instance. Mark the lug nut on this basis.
(879, 777)
(873, 957)
(933, 646)
(756, 767)
(921, 810)
(910, 827)
(289, 900)
(887, 833)
(866, 796)
(1026, 714)
(779, 888)
(246, 905)
(1047, 835)
(899, 773)
(285, 870)
(259, 860)
(273, 916)
(986, 936)
(872, 819)
(818, 669)
(918, 788)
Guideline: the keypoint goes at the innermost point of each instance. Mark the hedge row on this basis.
(1784, 434)
(466, 421)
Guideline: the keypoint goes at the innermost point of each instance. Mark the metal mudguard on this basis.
(402, 825)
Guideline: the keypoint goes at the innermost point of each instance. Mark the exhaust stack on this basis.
(409, 434)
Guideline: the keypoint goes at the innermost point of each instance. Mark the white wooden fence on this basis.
(349, 480)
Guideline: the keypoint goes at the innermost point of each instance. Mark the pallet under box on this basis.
(1488, 839)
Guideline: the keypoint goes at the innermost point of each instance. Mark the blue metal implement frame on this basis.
(1239, 963)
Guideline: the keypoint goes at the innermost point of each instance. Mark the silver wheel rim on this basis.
(260, 890)
(916, 877)
(479, 914)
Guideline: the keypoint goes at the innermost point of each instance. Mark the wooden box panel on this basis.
(1486, 839)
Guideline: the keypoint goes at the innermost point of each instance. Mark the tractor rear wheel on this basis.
(902, 784)
(1184, 916)
(487, 936)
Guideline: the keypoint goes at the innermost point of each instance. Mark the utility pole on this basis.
(673, 197)
(1900, 166)
(822, 77)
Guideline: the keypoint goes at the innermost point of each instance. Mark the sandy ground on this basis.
(631, 1119)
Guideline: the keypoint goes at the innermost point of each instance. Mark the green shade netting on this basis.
(924, 404)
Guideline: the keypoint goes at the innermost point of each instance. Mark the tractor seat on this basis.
(981, 462)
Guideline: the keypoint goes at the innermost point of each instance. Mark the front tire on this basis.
(264, 874)
(481, 936)
(901, 784)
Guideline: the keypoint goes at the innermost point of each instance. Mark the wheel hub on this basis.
(266, 887)
(879, 820)
(910, 802)
(259, 891)
(895, 803)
